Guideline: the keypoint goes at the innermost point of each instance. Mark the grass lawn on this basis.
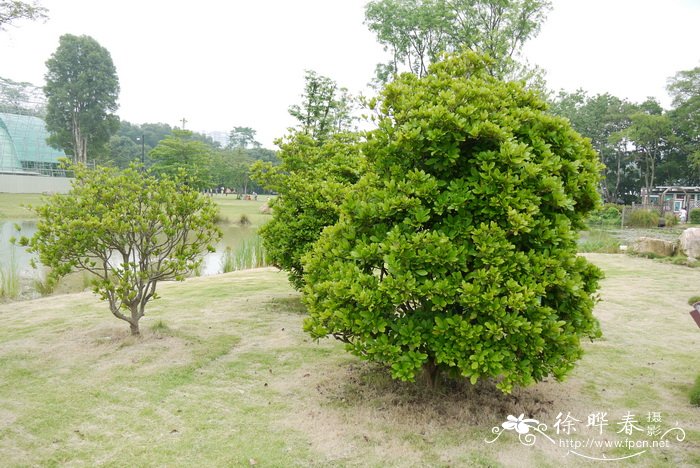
(232, 209)
(13, 206)
(224, 376)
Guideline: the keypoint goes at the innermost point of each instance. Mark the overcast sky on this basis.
(221, 64)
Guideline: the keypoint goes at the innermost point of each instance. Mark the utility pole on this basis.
(184, 121)
(143, 149)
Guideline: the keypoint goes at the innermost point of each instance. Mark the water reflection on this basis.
(233, 236)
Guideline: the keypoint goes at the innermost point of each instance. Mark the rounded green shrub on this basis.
(642, 218)
(694, 216)
(456, 252)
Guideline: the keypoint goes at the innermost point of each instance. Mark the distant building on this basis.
(673, 197)
(219, 137)
(23, 146)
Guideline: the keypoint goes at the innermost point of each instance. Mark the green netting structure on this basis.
(23, 145)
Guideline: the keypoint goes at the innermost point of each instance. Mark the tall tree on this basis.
(413, 31)
(13, 10)
(320, 161)
(325, 108)
(21, 98)
(82, 89)
(601, 118)
(416, 32)
(651, 137)
(181, 152)
(685, 117)
(242, 137)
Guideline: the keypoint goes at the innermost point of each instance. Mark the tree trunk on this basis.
(136, 314)
(431, 373)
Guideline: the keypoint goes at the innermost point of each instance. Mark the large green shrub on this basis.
(642, 218)
(694, 216)
(457, 250)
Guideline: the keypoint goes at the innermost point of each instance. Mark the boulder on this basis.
(690, 242)
(659, 247)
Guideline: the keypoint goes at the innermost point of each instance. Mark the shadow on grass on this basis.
(453, 401)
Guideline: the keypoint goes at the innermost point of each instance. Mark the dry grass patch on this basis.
(224, 374)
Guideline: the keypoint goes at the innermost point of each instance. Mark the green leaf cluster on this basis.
(456, 250)
(180, 152)
(312, 181)
(417, 32)
(129, 229)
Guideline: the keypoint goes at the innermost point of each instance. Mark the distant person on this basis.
(683, 214)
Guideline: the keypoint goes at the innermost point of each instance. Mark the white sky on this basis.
(221, 64)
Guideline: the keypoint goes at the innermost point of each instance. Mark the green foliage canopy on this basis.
(130, 230)
(456, 251)
(685, 117)
(82, 89)
(180, 152)
(416, 32)
(603, 118)
(242, 137)
(325, 108)
(312, 181)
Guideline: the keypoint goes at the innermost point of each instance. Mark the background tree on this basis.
(121, 151)
(325, 108)
(416, 32)
(130, 230)
(319, 162)
(82, 89)
(651, 137)
(311, 181)
(413, 31)
(13, 10)
(242, 137)
(178, 153)
(21, 98)
(684, 87)
(602, 118)
(457, 250)
(125, 147)
(498, 28)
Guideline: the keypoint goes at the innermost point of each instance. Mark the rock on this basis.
(690, 242)
(659, 247)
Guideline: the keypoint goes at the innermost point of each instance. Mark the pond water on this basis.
(233, 236)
